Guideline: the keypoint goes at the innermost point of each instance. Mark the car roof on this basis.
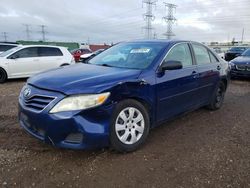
(166, 41)
(25, 46)
(10, 44)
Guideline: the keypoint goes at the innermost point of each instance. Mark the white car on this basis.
(6, 46)
(25, 61)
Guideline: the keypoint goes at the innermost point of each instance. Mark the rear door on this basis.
(208, 67)
(50, 57)
(24, 62)
(176, 89)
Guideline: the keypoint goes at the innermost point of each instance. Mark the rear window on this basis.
(49, 51)
(4, 48)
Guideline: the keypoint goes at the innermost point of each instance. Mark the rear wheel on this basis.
(218, 97)
(130, 126)
(3, 75)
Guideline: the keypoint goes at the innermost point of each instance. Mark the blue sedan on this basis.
(119, 95)
(240, 66)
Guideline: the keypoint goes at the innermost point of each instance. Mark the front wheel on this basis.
(130, 126)
(218, 97)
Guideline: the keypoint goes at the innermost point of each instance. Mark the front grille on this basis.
(38, 102)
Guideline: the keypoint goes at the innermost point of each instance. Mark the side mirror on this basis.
(14, 57)
(171, 65)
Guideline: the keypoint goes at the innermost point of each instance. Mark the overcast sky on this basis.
(118, 20)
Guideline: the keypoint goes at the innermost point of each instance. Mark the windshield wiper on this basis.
(106, 65)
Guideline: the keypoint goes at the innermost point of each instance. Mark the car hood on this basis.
(82, 78)
(242, 60)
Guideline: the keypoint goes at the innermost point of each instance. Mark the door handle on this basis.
(218, 67)
(195, 74)
(35, 59)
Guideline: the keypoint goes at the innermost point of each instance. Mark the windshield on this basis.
(10, 51)
(129, 55)
(240, 49)
(246, 53)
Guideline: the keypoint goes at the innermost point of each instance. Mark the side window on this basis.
(213, 58)
(201, 54)
(4, 48)
(180, 52)
(26, 53)
(49, 51)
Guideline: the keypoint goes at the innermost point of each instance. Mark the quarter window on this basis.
(49, 51)
(180, 52)
(201, 54)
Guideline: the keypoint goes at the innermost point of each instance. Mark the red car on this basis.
(78, 52)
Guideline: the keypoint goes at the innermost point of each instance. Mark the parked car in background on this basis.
(78, 52)
(240, 66)
(6, 46)
(234, 52)
(25, 61)
(85, 57)
(220, 53)
(120, 94)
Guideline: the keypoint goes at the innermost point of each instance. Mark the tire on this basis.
(218, 97)
(3, 75)
(125, 134)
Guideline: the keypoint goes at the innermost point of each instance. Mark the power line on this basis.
(149, 17)
(27, 30)
(169, 19)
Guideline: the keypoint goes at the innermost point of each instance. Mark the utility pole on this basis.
(155, 35)
(242, 36)
(27, 30)
(43, 32)
(169, 19)
(5, 36)
(149, 17)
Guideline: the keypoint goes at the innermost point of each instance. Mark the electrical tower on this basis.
(5, 36)
(27, 30)
(169, 19)
(43, 32)
(149, 17)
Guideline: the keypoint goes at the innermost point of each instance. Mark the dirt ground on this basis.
(200, 149)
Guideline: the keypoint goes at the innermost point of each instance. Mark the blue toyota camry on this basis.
(118, 96)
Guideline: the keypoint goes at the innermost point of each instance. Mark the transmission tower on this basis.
(149, 17)
(169, 19)
(43, 32)
(5, 36)
(27, 30)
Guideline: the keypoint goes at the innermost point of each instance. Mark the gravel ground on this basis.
(200, 149)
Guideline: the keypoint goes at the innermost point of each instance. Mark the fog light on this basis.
(75, 138)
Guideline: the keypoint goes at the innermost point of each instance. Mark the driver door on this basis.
(176, 89)
(24, 62)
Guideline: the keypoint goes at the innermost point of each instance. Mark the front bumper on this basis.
(239, 73)
(85, 129)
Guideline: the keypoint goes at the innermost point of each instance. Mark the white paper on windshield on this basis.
(139, 51)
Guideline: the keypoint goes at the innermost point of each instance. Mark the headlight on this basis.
(231, 64)
(80, 102)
